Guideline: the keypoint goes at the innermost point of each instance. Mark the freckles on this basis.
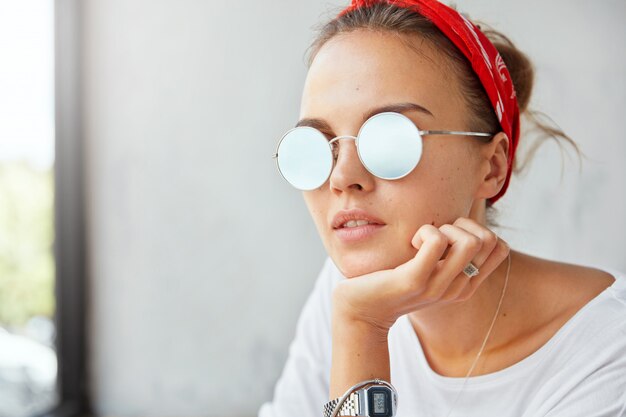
(446, 179)
(436, 221)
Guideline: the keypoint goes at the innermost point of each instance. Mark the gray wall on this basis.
(201, 257)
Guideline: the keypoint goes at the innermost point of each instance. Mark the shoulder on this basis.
(567, 287)
(591, 299)
(588, 362)
(572, 305)
(317, 308)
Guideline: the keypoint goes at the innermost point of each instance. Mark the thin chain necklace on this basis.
(506, 281)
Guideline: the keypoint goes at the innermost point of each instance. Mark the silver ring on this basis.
(470, 270)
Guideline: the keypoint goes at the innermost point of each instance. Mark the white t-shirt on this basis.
(579, 372)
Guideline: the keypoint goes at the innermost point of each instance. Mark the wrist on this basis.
(345, 316)
(360, 351)
(369, 398)
(345, 325)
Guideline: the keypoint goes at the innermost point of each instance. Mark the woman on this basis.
(418, 291)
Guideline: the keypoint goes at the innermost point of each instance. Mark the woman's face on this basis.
(351, 75)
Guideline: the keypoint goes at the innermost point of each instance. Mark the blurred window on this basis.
(28, 360)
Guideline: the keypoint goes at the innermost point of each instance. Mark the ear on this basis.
(493, 166)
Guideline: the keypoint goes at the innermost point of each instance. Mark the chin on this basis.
(354, 264)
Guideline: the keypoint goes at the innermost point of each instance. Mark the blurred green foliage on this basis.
(26, 239)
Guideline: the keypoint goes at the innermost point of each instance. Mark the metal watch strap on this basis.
(350, 406)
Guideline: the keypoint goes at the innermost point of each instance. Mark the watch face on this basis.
(379, 402)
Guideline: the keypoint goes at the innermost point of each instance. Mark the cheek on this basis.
(445, 173)
(432, 196)
(317, 206)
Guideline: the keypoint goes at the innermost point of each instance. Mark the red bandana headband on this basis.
(484, 57)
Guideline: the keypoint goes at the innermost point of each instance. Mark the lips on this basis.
(355, 215)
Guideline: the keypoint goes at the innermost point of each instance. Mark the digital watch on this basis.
(379, 399)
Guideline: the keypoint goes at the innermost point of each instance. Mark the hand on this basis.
(380, 297)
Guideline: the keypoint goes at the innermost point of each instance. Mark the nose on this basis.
(348, 172)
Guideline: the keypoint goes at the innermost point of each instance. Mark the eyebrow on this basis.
(321, 124)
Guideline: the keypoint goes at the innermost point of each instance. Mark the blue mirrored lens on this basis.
(390, 145)
(305, 158)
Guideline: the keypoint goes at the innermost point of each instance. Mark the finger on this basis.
(488, 237)
(458, 286)
(464, 247)
(497, 256)
(430, 243)
(463, 287)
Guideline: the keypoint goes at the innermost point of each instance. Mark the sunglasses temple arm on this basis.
(454, 132)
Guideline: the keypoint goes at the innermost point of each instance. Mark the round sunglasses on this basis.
(389, 146)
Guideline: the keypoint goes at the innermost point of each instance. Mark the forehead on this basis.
(363, 69)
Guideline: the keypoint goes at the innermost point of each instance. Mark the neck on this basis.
(455, 332)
